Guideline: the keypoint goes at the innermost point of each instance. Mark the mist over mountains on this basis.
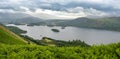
(18, 18)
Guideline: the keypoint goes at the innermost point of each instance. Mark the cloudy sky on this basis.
(62, 9)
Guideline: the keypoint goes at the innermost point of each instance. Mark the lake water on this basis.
(90, 36)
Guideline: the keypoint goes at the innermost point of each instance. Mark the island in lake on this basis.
(55, 30)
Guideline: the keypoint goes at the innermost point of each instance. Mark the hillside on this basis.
(71, 50)
(100, 23)
(111, 51)
(28, 20)
(8, 37)
(108, 23)
(18, 18)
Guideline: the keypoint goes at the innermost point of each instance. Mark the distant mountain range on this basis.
(18, 18)
(108, 23)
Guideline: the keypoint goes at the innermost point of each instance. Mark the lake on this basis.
(90, 36)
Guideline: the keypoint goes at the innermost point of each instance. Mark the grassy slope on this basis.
(8, 37)
(111, 51)
(15, 51)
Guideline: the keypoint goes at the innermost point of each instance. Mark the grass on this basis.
(111, 51)
(14, 47)
(8, 37)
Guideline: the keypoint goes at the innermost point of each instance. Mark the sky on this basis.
(62, 9)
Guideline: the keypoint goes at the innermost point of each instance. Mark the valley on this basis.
(19, 48)
(59, 29)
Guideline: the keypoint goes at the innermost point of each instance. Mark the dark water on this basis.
(90, 36)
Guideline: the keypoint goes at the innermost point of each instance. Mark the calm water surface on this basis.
(90, 36)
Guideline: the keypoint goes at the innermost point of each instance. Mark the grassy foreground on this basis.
(8, 37)
(111, 51)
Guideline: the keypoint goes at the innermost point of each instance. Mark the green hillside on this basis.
(111, 51)
(101, 23)
(110, 23)
(10, 49)
(8, 37)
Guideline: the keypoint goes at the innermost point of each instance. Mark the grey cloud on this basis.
(109, 6)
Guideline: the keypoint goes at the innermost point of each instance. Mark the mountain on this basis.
(107, 23)
(8, 37)
(111, 23)
(28, 20)
(18, 17)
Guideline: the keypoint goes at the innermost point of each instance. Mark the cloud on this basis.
(51, 14)
(87, 12)
(68, 14)
(59, 9)
(8, 11)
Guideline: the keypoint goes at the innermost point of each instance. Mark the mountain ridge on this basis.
(18, 17)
